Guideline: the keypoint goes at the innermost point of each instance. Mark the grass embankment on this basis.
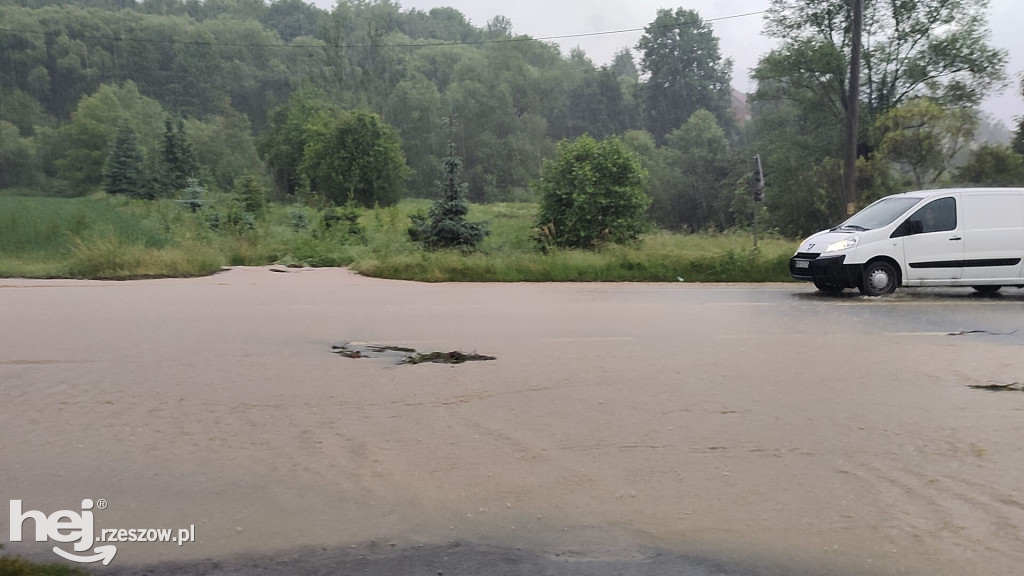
(18, 566)
(117, 238)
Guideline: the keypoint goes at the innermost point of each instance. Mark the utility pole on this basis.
(852, 109)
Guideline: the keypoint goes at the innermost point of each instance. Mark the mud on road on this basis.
(745, 429)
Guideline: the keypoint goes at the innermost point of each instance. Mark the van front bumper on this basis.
(830, 269)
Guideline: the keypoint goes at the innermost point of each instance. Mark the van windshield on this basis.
(879, 214)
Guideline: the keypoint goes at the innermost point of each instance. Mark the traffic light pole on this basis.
(755, 225)
(757, 189)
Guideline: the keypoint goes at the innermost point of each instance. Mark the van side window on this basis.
(937, 216)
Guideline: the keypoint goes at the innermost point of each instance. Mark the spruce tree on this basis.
(445, 225)
(193, 195)
(178, 159)
(251, 196)
(123, 172)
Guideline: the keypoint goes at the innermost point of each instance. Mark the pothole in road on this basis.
(403, 355)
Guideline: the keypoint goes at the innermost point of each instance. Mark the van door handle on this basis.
(955, 239)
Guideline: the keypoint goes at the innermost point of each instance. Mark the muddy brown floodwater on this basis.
(753, 425)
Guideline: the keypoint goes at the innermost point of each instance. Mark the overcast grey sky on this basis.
(740, 38)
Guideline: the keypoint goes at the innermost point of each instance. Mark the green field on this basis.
(117, 238)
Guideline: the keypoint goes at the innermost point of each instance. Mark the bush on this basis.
(592, 194)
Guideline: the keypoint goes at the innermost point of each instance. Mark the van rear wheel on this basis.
(986, 289)
(879, 278)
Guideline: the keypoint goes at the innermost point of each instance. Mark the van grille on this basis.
(807, 255)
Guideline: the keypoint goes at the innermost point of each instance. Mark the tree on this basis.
(21, 110)
(446, 24)
(799, 150)
(15, 157)
(251, 196)
(192, 196)
(97, 119)
(445, 226)
(937, 48)
(699, 156)
(284, 142)
(123, 173)
(354, 155)
(415, 109)
(226, 145)
(595, 106)
(592, 193)
(501, 96)
(993, 165)
(499, 27)
(178, 159)
(923, 138)
(686, 72)
(624, 66)
(293, 18)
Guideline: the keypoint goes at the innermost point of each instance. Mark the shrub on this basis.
(592, 193)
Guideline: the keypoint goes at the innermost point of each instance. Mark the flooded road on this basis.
(761, 427)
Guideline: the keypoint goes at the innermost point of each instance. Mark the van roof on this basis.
(940, 191)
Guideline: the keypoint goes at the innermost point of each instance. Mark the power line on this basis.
(409, 45)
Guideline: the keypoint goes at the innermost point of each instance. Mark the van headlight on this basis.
(844, 244)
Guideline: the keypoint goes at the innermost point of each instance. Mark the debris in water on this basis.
(453, 357)
(405, 355)
(965, 332)
(998, 387)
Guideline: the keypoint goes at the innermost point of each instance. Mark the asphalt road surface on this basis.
(621, 429)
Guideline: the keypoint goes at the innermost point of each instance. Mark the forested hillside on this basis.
(297, 96)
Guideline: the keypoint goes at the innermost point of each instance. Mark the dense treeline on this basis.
(351, 103)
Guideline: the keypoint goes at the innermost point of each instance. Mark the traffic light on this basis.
(757, 186)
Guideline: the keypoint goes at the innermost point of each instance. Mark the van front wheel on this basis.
(879, 278)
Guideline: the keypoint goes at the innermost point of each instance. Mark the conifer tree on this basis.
(445, 225)
(179, 160)
(123, 171)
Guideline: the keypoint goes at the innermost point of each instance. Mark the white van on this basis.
(959, 237)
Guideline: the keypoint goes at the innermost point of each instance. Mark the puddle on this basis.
(403, 355)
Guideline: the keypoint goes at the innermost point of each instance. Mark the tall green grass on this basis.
(100, 238)
(117, 238)
(659, 258)
(17, 566)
